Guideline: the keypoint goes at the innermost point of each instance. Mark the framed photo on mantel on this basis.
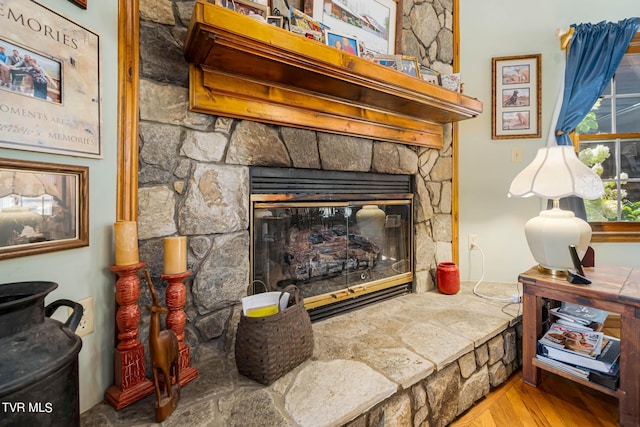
(516, 97)
(372, 22)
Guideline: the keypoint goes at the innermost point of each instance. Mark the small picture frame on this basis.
(451, 81)
(248, 8)
(224, 3)
(516, 97)
(341, 42)
(276, 21)
(391, 61)
(409, 65)
(304, 25)
(430, 75)
(281, 8)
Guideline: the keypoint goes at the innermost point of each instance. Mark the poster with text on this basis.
(49, 82)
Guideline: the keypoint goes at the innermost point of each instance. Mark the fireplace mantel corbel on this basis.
(247, 69)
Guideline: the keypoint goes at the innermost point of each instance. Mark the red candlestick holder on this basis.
(131, 383)
(176, 298)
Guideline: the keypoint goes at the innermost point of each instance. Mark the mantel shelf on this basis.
(243, 68)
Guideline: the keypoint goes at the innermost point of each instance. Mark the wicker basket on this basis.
(268, 347)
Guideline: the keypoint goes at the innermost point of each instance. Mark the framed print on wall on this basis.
(49, 83)
(372, 22)
(44, 207)
(516, 97)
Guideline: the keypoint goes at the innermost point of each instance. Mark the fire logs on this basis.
(321, 252)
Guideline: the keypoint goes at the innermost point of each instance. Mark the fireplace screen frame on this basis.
(374, 289)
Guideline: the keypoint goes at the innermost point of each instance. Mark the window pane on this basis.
(621, 201)
(603, 116)
(600, 156)
(627, 94)
(631, 201)
(628, 74)
(630, 157)
(628, 114)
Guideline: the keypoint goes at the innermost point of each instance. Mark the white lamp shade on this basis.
(550, 234)
(556, 172)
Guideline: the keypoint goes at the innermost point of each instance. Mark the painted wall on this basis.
(486, 168)
(84, 271)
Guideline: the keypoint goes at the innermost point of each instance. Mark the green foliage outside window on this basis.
(606, 208)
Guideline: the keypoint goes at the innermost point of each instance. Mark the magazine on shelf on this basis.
(579, 341)
(582, 313)
(564, 367)
(605, 362)
(607, 379)
(597, 327)
(580, 317)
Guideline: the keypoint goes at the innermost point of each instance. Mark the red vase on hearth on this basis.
(448, 278)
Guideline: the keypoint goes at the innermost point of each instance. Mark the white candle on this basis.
(175, 255)
(126, 238)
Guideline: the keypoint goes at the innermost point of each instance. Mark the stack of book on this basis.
(578, 347)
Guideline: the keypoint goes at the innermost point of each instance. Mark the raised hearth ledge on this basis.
(360, 359)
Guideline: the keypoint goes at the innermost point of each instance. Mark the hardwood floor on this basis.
(557, 402)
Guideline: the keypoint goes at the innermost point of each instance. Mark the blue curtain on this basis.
(594, 55)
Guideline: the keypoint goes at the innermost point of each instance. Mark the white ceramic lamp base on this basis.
(550, 234)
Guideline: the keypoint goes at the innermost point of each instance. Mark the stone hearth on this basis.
(417, 360)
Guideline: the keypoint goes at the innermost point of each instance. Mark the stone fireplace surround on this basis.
(193, 181)
(205, 196)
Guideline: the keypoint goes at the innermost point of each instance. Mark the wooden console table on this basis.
(615, 289)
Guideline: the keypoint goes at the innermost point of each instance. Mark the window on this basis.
(609, 138)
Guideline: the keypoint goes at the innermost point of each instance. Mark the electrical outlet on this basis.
(85, 327)
(473, 240)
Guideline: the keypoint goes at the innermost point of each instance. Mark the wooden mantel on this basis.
(243, 68)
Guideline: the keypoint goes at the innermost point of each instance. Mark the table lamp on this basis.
(556, 172)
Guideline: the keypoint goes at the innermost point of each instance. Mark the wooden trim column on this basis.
(130, 380)
(455, 181)
(128, 103)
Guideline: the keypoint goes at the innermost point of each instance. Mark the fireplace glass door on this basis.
(332, 251)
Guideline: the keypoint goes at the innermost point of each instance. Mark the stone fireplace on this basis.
(205, 195)
(194, 174)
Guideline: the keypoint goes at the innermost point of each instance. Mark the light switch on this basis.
(516, 154)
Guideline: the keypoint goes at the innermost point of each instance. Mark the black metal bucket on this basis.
(38, 358)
